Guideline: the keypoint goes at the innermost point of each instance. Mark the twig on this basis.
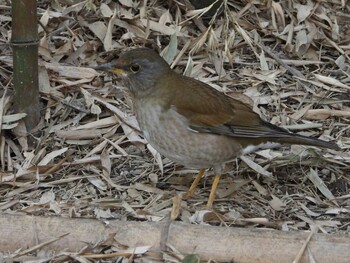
(76, 107)
(307, 241)
(291, 70)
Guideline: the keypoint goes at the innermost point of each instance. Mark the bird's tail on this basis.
(300, 139)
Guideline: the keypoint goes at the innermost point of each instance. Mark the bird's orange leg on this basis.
(213, 191)
(193, 187)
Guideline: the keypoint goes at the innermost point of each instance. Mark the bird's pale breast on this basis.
(167, 131)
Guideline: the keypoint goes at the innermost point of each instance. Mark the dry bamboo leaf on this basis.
(303, 126)
(73, 8)
(269, 154)
(132, 30)
(301, 42)
(129, 120)
(153, 178)
(198, 217)
(39, 155)
(232, 188)
(341, 62)
(2, 112)
(21, 132)
(199, 42)
(276, 203)
(73, 72)
(337, 211)
(106, 163)
(99, 29)
(180, 55)
(105, 10)
(63, 50)
(256, 167)
(98, 148)
(218, 61)
(329, 223)
(68, 83)
(321, 85)
(213, 42)
(45, 86)
(137, 250)
(273, 20)
(303, 10)
(2, 154)
(312, 175)
(92, 159)
(128, 3)
(47, 197)
(175, 211)
(62, 125)
(191, 14)
(106, 174)
(266, 77)
(102, 213)
(163, 29)
(117, 147)
(101, 123)
(308, 211)
(169, 52)
(278, 10)
(132, 135)
(189, 66)
(323, 16)
(107, 42)
(331, 81)
(89, 100)
(263, 63)
(81, 134)
(259, 220)
(95, 109)
(156, 156)
(301, 112)
(246, 37)
(302, 62)
(148, 188)
(6, 119)
(147, 215)
(49, 157)
(44, 20)
(166, 18)
(322, 114)
(260, 188)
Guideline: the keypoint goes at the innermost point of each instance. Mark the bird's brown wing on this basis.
(211, 111)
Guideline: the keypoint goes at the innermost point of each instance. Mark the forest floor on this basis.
(288, 59)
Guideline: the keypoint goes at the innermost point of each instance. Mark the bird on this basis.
(191, 123)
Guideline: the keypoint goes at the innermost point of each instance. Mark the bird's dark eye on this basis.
(135, 68)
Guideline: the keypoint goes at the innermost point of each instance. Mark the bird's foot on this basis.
(212, 192)
(193, 187)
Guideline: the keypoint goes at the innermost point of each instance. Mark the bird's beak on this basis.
(110, 67)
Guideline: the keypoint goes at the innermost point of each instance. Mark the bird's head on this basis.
(141, 68)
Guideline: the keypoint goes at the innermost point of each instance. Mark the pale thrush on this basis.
(190, 122)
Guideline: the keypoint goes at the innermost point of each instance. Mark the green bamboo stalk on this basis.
(25, 60)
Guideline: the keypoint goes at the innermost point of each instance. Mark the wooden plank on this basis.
(209, 242)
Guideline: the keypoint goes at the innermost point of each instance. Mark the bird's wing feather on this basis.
(210, 111)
